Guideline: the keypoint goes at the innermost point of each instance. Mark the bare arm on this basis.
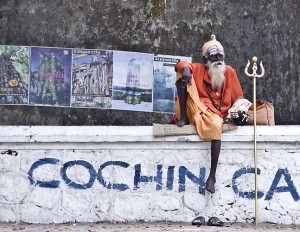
(186, 76)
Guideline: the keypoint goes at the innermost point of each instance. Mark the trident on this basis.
(254, 75)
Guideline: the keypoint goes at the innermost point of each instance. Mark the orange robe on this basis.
(200, 110)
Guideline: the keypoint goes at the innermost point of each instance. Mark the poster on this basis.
(92, 77)
(164, 89)
(50, 76)
(132, 81)
(14, 74)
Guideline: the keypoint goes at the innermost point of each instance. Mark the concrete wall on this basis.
(267, 29)
(102, 173)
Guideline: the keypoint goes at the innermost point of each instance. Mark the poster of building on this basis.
(92, 76)
(50, 76)
(133, 81)
(14, 74)
(164, 89)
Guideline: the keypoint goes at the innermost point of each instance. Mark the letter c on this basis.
(43, 184)
(248, 195)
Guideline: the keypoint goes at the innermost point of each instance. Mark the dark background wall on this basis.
(267, 29)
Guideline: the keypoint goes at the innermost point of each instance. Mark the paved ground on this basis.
(142, 227)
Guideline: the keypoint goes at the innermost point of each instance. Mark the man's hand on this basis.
(186, 76)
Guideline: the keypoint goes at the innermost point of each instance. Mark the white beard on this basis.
(216, 72)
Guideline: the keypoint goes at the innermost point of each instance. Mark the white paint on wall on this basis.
(125, 174)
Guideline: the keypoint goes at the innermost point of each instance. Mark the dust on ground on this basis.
(142, 227)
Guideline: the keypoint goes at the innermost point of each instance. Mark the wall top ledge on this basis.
(96, 134)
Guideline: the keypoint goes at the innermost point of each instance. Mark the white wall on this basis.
(88, 174)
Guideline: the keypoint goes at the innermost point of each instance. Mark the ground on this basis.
(141, 227)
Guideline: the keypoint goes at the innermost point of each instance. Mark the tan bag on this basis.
(264, 113)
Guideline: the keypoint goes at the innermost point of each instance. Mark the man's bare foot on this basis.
(210, 185)
(182, 121)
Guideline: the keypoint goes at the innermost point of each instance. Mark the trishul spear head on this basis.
(254, 68)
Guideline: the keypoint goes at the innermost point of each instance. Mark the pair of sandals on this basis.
(213, 221)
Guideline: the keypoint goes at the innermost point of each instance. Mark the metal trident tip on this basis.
(254, 68)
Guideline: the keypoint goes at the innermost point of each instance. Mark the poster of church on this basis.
(132, 81)
(50, 76)
(92, 76)
(164, 89)
(14, 75)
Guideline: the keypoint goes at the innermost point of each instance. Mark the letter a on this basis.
(289, 188)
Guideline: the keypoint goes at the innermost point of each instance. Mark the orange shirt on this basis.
(232, 87)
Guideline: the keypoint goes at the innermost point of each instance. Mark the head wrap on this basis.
(212, 47)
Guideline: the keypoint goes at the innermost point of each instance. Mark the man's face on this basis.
(216, 58)
(214, 55)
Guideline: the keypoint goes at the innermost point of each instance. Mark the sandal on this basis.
(214, 221)
(198, 221)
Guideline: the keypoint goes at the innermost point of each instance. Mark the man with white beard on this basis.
(205, 93)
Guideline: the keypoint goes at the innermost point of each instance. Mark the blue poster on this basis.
(50, 76)
(164, 89)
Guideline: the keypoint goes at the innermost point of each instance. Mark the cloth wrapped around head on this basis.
(212, 47)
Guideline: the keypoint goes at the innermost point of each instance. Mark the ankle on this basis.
(211, 178)
(182, 121)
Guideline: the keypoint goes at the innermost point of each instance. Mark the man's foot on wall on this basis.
(182, 122)
(210, 185)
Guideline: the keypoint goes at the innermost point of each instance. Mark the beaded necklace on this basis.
(207, 85)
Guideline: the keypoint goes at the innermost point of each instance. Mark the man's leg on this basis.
(215, 152)
(182, 96)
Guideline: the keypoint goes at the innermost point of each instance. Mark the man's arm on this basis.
(184, 68)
